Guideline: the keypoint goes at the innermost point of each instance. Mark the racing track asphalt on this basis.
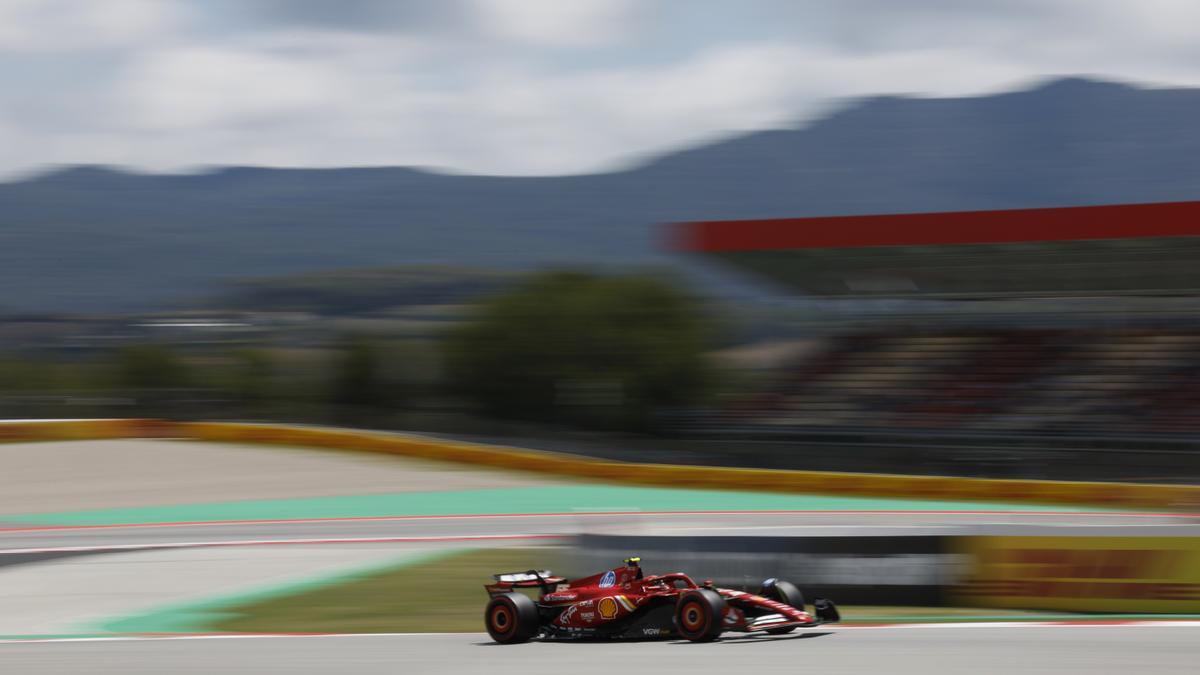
(16, 540)
(911, 650)
(893, 650)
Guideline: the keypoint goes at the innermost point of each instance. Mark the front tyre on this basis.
(782, 591)
(511, 618)
(698, 614)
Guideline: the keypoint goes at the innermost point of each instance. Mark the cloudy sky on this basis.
(518, 86)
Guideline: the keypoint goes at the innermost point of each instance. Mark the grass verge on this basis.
(443, 595)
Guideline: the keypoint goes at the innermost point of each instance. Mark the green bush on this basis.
(574, 348)
(150, 367)
(358, 376)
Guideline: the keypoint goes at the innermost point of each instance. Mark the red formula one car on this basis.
(623, 603)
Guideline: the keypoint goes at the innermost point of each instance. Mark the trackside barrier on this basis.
(1170, 497)
(860, 570)
(1081, 574)
(78, 430)
(878, 485)
(1130, 574)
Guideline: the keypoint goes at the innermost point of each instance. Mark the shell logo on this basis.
(607, 608)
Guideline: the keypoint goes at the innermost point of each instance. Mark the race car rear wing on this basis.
(507, 581)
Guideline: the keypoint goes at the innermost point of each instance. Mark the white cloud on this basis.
(347, 107)
(556, 23)
(202, 88)
(56, 25)
(579, 122)
(176, 96)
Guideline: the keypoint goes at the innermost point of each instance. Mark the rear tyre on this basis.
(782, 591)
(511, 618)
(698, 614)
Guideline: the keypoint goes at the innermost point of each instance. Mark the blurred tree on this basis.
(23, 374)
(252, 378)
(150, 367)
(582, 349)
(156, 376)
(358, 377)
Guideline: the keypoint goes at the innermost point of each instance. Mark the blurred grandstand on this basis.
(1015, 337)
(1082, 381)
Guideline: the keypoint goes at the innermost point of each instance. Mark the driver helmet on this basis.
(633, 564)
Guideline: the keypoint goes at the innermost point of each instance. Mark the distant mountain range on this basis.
(101, 239)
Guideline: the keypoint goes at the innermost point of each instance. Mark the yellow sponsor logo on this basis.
(1096, 574)
(607, 608)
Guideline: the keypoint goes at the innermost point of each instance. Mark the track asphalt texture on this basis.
(542, 513)
(172, 590)
(484, 528)
(915, 650)
(153, 602)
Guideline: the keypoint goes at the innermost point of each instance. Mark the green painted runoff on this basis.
(551, 499)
